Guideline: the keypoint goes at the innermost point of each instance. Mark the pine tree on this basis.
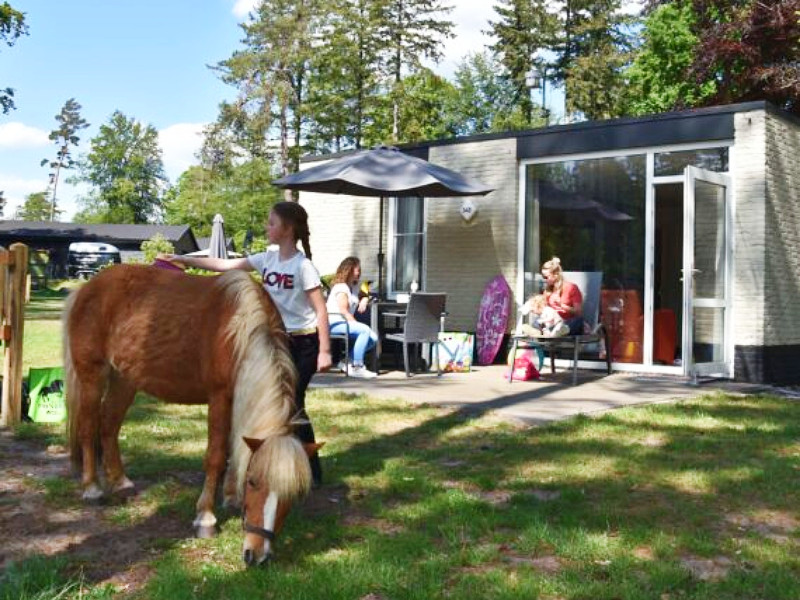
(523, 30)
(64, 136)
(411, 30)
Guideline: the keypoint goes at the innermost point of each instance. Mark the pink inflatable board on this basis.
(492, 319)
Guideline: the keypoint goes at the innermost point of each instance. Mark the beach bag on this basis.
(47, 398)
(455, 351)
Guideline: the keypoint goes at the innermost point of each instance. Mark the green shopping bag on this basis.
(47, 398)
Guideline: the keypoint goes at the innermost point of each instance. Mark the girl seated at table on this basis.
(343, 303)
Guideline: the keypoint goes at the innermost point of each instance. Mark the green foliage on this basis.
(658, 77)
(125, 169)
(35, 208)
(156, 245)
(484, 99)
(242, 194)
(12, 26)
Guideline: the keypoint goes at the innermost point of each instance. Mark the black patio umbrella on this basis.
(381, 172)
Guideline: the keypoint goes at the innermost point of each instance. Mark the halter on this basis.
(266, 534)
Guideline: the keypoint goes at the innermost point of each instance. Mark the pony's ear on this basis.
(252, 443)
(311, 449)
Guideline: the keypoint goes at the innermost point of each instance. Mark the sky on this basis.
(146, 58)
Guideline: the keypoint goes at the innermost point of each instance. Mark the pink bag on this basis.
(523, 370)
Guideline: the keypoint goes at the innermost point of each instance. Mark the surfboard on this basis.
(492, 319)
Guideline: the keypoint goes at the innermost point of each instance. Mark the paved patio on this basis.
(552, 398)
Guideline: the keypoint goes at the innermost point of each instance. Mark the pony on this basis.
(188, 339)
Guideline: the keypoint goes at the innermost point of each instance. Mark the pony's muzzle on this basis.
(251, 560)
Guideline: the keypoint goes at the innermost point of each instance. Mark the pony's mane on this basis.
(263, 395)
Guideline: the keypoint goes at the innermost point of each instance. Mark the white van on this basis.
(86, 258)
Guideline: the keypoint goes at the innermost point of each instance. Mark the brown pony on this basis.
(190, 340)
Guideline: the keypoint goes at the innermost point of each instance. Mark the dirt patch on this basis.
(707, 569)
(32, 524)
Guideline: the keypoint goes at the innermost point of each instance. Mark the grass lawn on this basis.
(697, 499)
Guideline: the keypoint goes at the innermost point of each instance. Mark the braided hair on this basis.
(295, 216)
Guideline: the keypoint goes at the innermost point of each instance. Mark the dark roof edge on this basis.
(584, 125)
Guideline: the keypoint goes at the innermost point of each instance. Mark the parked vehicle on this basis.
(87, 258)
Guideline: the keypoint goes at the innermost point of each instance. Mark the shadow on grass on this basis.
(452, 495)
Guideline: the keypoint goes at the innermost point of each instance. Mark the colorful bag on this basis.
(47, 403)
(455, 351)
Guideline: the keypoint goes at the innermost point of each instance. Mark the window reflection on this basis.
(590, 213)
(673, 163)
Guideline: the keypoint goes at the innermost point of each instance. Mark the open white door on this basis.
(706, 273)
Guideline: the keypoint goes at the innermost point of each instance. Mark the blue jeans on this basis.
(362, 339)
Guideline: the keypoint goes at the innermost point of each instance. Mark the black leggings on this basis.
(304, 349)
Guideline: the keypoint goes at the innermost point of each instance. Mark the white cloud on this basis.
(18, 135)
(243, 7)
(15, 189)
(179, 143)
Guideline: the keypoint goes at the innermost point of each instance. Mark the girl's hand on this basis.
(362, 304)
(171, 258)
(324, 361)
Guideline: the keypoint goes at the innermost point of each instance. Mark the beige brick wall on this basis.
(342, 226)
(749, 227)
(782, 261)
(463, 257)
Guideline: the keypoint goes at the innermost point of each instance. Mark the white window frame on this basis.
(391, 235)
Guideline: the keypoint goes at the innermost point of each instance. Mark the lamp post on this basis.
(534, 79)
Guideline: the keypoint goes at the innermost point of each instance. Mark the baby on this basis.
(547, 322)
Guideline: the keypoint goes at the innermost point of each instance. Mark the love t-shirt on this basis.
(287, 283)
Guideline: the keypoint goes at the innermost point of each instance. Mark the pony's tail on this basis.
(71, 384)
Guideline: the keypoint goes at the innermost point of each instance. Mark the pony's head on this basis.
(277, 474)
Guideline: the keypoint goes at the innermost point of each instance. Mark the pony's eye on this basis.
(252, 482)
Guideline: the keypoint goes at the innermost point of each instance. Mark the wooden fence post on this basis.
(14, 301)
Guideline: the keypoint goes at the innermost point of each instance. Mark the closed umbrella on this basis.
(217, 248)
(381, 172)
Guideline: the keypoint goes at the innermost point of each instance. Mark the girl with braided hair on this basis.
(293, 283)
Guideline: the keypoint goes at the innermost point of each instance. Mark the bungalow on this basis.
(693, 217)
(55, 238)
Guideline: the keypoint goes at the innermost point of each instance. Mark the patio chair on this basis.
(589, 283)
(422, 322)
(345, 337)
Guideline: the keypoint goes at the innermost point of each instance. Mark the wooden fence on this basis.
(13, 292)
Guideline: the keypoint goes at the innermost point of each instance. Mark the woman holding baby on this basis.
(562, 296)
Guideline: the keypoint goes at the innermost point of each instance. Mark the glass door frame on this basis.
(722, 368)
(648, 309)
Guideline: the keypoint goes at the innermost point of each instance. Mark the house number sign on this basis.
(468, 210)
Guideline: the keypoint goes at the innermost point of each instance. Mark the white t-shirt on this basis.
(287, 283)
(333, 302)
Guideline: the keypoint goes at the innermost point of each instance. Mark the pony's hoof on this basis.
(93, 495)
(204, 532)
(124, 493)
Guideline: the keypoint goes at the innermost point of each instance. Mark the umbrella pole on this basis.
(380, 251)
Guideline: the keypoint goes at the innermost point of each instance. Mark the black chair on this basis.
(589, 283)
(422, 322)
(345, 337)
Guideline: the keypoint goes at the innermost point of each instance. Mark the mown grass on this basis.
(697, 499)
